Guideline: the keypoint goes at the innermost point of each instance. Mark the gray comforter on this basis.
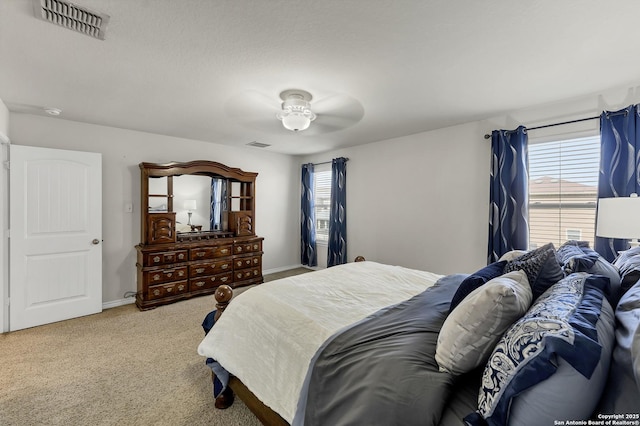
(382, 370)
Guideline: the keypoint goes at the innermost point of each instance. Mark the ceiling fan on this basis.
(294, 110)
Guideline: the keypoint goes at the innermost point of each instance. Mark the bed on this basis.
(369, 343)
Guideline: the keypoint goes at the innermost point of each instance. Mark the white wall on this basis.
(421, 201)
(122, 150)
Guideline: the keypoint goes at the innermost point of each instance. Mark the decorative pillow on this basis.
(541, 266)
(470, 332)
(552, 363)
(513, 254)
(576, 256)
(628, 264)
(475, 280)
(623, 387)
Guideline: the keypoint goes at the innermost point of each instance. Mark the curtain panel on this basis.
(509, 193)
(308, 254)
(619, 165)
(338, 214)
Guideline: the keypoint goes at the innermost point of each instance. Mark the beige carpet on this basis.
(119, 367)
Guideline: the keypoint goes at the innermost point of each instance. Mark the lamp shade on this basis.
(619, 217)
(189, 204)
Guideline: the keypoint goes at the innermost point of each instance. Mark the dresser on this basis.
(178, 260)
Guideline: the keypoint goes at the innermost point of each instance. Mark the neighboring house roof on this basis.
(548, 184)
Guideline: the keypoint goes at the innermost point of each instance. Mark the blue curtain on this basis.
(619, 165)
(338, 213)
(215, 215)
(308, 254)
(509, 193)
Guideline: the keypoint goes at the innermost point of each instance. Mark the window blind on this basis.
(563, 185)
(322, 184)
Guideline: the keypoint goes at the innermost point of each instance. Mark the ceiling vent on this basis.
(72, 16)
(258, 144)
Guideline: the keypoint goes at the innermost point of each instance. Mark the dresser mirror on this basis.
(203, 199)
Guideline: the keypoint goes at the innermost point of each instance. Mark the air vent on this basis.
(72, 16)
(258, 144)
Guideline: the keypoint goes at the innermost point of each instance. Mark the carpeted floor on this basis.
(119, 367)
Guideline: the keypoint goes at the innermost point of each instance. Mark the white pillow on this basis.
(473, 328)
(513, 254)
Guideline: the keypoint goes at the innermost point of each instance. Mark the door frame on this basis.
(4, 232)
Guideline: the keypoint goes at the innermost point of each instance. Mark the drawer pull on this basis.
(180, 287)
(200, 254)
(181, 273)
(239, 263)
(224, 251)
(156, 277)
(169, 274)
(200, 283)
(181, 256)
(255, 260)
(156, 292)
(156, 259)
(169, 289)
(225, 266)
(255, 272)
(224, 279)
(255, 247)
(199, 270)
(238, 248)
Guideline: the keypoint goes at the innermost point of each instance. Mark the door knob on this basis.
(95, 241)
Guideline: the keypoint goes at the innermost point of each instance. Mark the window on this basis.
(563, 187)
(322, 187)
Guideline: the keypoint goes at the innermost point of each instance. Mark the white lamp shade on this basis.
(296, 122)
(189, 204)
(619, 217)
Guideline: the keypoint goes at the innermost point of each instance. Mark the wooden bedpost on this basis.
(360, 259)
(223, 296)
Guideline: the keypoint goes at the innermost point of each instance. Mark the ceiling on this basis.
(212, 70)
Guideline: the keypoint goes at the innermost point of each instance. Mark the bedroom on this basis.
(433, 213)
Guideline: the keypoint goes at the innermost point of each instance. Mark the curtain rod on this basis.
(327, 162)
(609, 114)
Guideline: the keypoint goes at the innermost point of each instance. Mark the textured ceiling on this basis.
(212, 70)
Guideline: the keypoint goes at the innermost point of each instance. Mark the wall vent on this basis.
(258, 144)
(72, 16)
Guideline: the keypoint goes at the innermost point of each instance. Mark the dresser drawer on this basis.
(246, 274)
(169, 289)
(210, 282)
(165, 257)
(247, 262)
(158, 276)
(213, 252)
(209, 268)
(250, 247)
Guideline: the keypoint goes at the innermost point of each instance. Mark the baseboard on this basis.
(119, 302)
(282, 268)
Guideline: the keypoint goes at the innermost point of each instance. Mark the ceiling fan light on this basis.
(296, 114)
(295, 121)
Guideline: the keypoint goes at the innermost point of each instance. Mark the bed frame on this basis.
(266, 415)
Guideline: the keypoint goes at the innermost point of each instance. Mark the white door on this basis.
(55, 240)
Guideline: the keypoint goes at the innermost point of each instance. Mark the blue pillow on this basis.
(575, 257)
(553, 362)
(541, 266)
(476, 280)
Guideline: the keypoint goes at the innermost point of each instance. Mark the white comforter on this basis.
(268, 334)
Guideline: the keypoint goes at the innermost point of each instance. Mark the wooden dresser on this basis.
(175, 265)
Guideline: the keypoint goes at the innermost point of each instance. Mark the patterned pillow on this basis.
(475, 280)
(576, 256)
(553, 362)
(541, 266)
(470, 332)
